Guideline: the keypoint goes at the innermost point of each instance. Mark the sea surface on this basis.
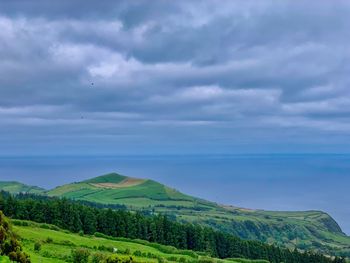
(271, 182)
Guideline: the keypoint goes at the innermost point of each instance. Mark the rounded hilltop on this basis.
(117, 189)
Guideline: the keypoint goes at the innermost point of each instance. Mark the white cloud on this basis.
(114, 66)
(336, 105)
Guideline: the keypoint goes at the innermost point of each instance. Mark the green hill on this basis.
(121, 190)
(306, 230)
(56, 246)
(16, 187)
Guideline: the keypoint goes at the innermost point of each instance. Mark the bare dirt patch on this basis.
(128, 182)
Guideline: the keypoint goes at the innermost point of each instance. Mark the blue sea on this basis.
(271, 182)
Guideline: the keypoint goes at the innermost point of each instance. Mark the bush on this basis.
(44, 226)
(16, 223)
(98, 258)
(49, 240)
(56, 228)
(9, 245)
(67, 243)
(171, 258)
(37, 246)
(151, 255)
(98, 234)
(118, 259)
(205, 260)
(80, 255)
(105, 248)
(13, 256)
(19, 256)
(242, 260)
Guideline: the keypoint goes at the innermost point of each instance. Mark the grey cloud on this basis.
(138, 68)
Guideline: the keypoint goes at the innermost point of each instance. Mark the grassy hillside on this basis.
(57, 245)
(305, 230)
(16, 187)
(132, 192)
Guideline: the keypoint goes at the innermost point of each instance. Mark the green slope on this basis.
(16, 187)
(107, 178)
(121, 190)
(57, 244)
(306, 230)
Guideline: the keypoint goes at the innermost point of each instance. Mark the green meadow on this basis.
(56, 246)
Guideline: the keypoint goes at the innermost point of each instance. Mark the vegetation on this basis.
(9, 244)
(4, 259)
(65, 246)
(76, 217)
(80, 255)
(16, 187)
(310, 230)
(121, 190)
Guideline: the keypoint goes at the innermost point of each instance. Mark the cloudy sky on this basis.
(107, 77)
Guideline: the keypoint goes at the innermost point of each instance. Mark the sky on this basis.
(154, 77)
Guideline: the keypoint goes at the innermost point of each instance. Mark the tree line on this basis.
(78, 217)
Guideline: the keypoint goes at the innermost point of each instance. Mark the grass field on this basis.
(16, 187)
(56, 246)
(117, 189)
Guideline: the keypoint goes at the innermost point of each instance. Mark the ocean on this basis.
(269, 181)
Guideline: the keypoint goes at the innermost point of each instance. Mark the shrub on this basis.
(46, 254)
(16, 223)
(67, 243)
(44, 226)
(37, 246)
(49, 240)
(13, 256)
(137, 253)
(80, 255)
(118, 259)
(98, 234)
(151, 255)
(19, 256)
(98, 258)
(9, 244)
(56, 228)
(205, 260)
(105, 248)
